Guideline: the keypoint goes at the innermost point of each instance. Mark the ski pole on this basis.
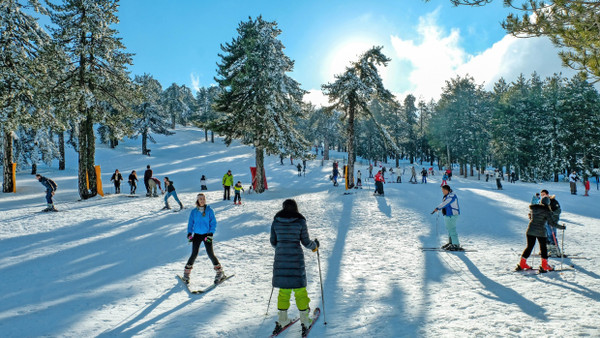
(562, 252)
(321, 280)
(269, 305)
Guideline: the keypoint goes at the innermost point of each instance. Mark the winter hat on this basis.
(546, 201)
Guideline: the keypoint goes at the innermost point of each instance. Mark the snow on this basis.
(107, 266)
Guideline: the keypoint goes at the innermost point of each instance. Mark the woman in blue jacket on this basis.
(451, 212)
(201, 227)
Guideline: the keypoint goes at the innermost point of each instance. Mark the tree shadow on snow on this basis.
(504, 294)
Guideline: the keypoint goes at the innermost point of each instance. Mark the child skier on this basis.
(379, 180)
(202, 224)
(444, 180)
(116, 179)
(539, 215)
(451, 211)
(288, 231)
(170, 192)
(237, 199)
(203, 183)
(132, 182)
(358, 180)
(50, 189)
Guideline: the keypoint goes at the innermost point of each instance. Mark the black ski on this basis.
(444, 250)
(285, 327)
(315, 316)
(201, 291)
(574, 256)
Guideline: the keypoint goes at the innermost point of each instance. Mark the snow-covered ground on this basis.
(107, 266)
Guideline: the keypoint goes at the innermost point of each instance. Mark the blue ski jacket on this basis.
(449, 205)
(198, 224)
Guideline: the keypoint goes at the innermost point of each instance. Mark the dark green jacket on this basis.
(539, 215)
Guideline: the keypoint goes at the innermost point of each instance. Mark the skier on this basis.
(379, 180)
(392, 179)
(203, 183)
(154, 182)
(423, 176)
(444, 180)
(586, 185)
(116, 179)
(370, 170)
(299, 166)
(539, 215)
(451, 210)
(358, 180)
(552, 239)
(304, 167)
(383, 170)
(170, 192)
(513, 177)
(50, 189)
(237, 198)
(449, 172)
(202, 224)
(132, 182)
(498, 177)
(413, 175)
(147, 176)
(536, 198)
(573, 178)
(335, 176)
(288, 231)
(227, 183)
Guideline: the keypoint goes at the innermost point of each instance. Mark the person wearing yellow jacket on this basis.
(227, 183)
(237, 198)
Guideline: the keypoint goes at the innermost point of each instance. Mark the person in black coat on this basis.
(288, 231)
(116, 179)
(50, 186)
(133, 182)
(539, 215)
(147, 176)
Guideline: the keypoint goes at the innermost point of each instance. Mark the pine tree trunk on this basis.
(260, 167)
(350, 145)
(205, 135)
(397, 161)
(448, 154)
(212, 136)
(326, 150)
(33, 169)
(173, 117)
(7, 183)
(145, 142)
(61, 149)
(87, 148)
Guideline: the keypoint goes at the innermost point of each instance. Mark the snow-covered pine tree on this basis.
(353, 90)
(178, 103)
(34, 145)
(259, 100)
(205, 114)
(151, 114)
(21, 73)
(98, 74)
(409, 115)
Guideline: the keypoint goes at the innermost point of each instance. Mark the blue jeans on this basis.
(49, 197)
(424, 179)
(174, 194)
(450, 222)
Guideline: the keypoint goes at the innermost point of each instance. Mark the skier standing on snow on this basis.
(370, 170)
(116, 179)
(413, 175)
(288, 231)
(132, 182)
(299, 166)
(202, 224)
(227, 183)
(552, 237)
(170, 192)
(203, 183)
(451, 210)
(539, 215)
(379, 180)
(444, 180)
(237, 198)
(358, 180)
(392, 175)
(498, 177)
(335, 176)
(586, 185)
(147, 176)
(50, 189)
(423, 176)
(154, 182)
(573, 178)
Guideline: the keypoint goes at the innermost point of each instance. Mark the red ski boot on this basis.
(545, 267)
(523, 265)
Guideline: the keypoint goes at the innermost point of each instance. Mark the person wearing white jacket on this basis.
(451, 211)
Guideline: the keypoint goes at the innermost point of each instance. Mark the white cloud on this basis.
(438, 56)
(316, 97)
(195, 80)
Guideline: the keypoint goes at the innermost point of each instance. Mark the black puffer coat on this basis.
(539, 215)
(287, 232)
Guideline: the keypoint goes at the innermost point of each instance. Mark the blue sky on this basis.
(178, 41)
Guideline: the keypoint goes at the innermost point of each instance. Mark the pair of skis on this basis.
(541, 271)
(444, 250)
(315, 316)
(205, 290)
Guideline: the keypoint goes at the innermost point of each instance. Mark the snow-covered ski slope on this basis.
(107, 266)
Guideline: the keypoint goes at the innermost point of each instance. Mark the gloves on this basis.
(190, 237)
(561, 226)
(208, 238)
(317, 247)
(434, 210)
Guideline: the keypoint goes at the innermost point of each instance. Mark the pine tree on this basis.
(98, 74)
(205, 113)
(151, 114)
(21, 73)
(178, 103)
(259, 101)
(353, 90)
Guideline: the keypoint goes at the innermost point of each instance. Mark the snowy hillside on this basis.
(107, 266)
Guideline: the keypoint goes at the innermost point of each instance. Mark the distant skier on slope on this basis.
(451, 210)
(153, 183)
(379, 180)
(116, 179)
(423, 176)
(227, 183)
(288, 231)
(50, 190)
(444, 179)
(203, 183)
(202, 224)
(539, 215)
(147, 176)
(358, 180)
(132, 182)
(299, 166)
(170, 192)
(413, 175)
(237, 189)
(335, 175)
(498, 177)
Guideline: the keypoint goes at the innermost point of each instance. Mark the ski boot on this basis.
(180, 206)
(282, 321)
(305, 320)
(445, 246)
(545, 267)
(454, 247)
(166, 207)
(522, 265)
(220, 274)
(186, 273)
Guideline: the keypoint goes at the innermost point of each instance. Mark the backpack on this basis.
(554, 205)
(52, 183)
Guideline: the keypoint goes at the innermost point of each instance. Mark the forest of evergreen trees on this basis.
(69, 85)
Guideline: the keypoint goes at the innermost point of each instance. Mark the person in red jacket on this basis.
(586, 184)
(379, 180)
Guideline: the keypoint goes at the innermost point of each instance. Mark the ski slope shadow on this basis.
(383, 206)
(574, 287)
(504, 294)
